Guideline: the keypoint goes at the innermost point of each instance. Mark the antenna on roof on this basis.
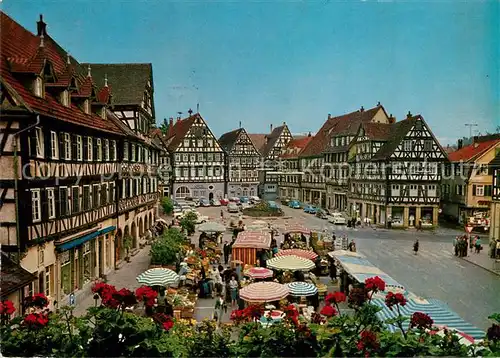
(89, 71)
(179, 114)
(470, 125)
(105, 80)
(197, 108)
(68, 59)
(41, 41)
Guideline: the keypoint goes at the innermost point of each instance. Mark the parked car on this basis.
(244, 199)
(254, 199)
(233, 208)
(294, 204)
(234, 199)
(337, 219)
(320, 213)
(224, 201)
(273, 204)
(215, 202)
(177, 209)
(200, 219)
(204, 202)
(310, 209)
(245, 205)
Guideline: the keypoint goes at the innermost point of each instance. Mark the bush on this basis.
(167, 204)
(166, 247)
(188, 222)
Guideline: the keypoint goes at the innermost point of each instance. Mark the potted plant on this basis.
(127, 244)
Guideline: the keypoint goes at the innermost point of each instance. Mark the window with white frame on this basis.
(139, 153)
(408, 145)
(193, 172)
(177, 157)
(47, 280)
(124, 189)
(177, 172)
(137, 186)
(210, 143)
(54, 145)
(98, 149)
(90, 149)
(479, 190)
(36, 212)
(51, 203)
(413, 190)
(217, 171)
(395, 190)
(125, 151)
(200, 157)
(210, 171)
(39, 142)
(192, 158)
(38, 87)
(185, 158)
(144, 185)
(186, 143)
(210, 157)
(431, 190)
(106, 150)
(79, 148)
(95, 195)
(67, 146)
(113, 150)
(132, 153)
(184, 172)
(200, 143)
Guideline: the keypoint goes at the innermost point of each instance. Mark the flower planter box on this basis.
(187, 313)
(177, 314)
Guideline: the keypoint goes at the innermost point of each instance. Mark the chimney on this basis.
(409, 115)
(378, 104)
(240, 124)
(329, 115)
(362, 109)
(190, 111)
(41, 27)
(179, 114)
(271, 126)
(284, 123)
(460, 144)
(392, 119)
(309, 134)
(170, 122)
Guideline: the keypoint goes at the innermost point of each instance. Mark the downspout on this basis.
(16, 180)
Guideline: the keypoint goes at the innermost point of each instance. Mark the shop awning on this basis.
(253, 239)
(438, 310)
(83, 239)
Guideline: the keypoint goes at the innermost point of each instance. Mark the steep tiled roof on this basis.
(179, 130)
(129, 80)
(259, 141)
(21, 52)
(397, 133)
(495, 163)
(227, 140)
(295, 146)
(271, 139)
(13, 276)
(472, 151)
(377, 131)
(320, 141)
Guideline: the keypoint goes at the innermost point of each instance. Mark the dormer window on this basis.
(86, 106)
(65, 98)
(38, 87)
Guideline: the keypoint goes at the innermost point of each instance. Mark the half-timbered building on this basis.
(242, 163)
(342, 133)
(164, 168)
(466, 187)
(197, 159)
(290, 176)
(396, 172)
(69, 178)
(271, 146)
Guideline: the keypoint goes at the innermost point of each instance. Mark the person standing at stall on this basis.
(226, 250)
(233, 289)
(333, 270)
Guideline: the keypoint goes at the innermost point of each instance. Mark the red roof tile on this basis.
(377, 131)
(472, 151)
(295, 146)
(259, 141)
(21, 51)
(179, 130)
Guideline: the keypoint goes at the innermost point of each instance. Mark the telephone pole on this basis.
(470, 125)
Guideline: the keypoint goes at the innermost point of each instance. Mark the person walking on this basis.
(416, 246)
(477, 244)
(233, 289)
(455, 245)
(226, 250)
(471, 244)
(220, 305)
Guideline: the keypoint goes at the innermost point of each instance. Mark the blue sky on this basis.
(295, 61)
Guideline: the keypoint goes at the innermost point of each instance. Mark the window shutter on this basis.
(73, 147)
(44, 207)
(85, 147)
(62, 148)
(58, 202)
(473, 190)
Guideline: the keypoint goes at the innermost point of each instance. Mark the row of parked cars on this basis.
(332, 217)
(234, 204)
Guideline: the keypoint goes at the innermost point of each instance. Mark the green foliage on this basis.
(262, 209)
(188, 222)
(167, 205)
(127, 242)
(165, 248)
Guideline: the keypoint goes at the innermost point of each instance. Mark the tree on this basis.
(188, 222)
(167, 204)
(164, 127)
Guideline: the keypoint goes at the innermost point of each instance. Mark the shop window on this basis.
(48, 281)
(86, 262)
(66, 272)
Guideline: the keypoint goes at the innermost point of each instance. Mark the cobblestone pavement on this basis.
(123, 277)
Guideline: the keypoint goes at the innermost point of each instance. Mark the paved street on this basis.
(435, 272)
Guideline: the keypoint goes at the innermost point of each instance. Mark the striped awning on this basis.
(339, 253)
(389, 281)
(297, 229)
(290, 262)
(253, 239)
(437, 310)
(307, 254)
(259, 273)
(158, 277)
(264, 292)
(302, 289)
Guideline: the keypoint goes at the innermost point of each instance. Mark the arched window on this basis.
(182, 192)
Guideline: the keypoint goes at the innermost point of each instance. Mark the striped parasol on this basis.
(306, 254)
(158, 277)
(264, 292)
(290, 262)
(259, 273)
(211, 227)
(297, 229)
(302, 289)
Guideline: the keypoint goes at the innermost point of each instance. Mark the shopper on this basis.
(233, 289)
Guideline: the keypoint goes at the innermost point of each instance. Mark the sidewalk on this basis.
(483, 260)
(124, 277)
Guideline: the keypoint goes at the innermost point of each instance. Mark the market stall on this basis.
(261, 292)
(246, 245)
(291, 263)
(307, 254)
(258, 273)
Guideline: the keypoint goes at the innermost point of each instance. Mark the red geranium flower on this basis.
(368, 341)
(253, 312)
(336, 297)
(328, 311)
(167, 325)
(36, 320)
(421, 321)
(7, 307)
(375, 284)
(125, 297)
(108, 294)
(291, 311)
(392, 299)
(147, 295)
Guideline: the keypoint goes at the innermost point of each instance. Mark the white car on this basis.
(337, 219)
(200, 219)
(215, 202)
(233, 208)
(254, 199)
(245, 205)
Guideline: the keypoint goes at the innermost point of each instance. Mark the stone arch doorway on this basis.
(133, 232)
(210, 196)
(182, 192)
(140, 227)
(118, 245)
(146, 223)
